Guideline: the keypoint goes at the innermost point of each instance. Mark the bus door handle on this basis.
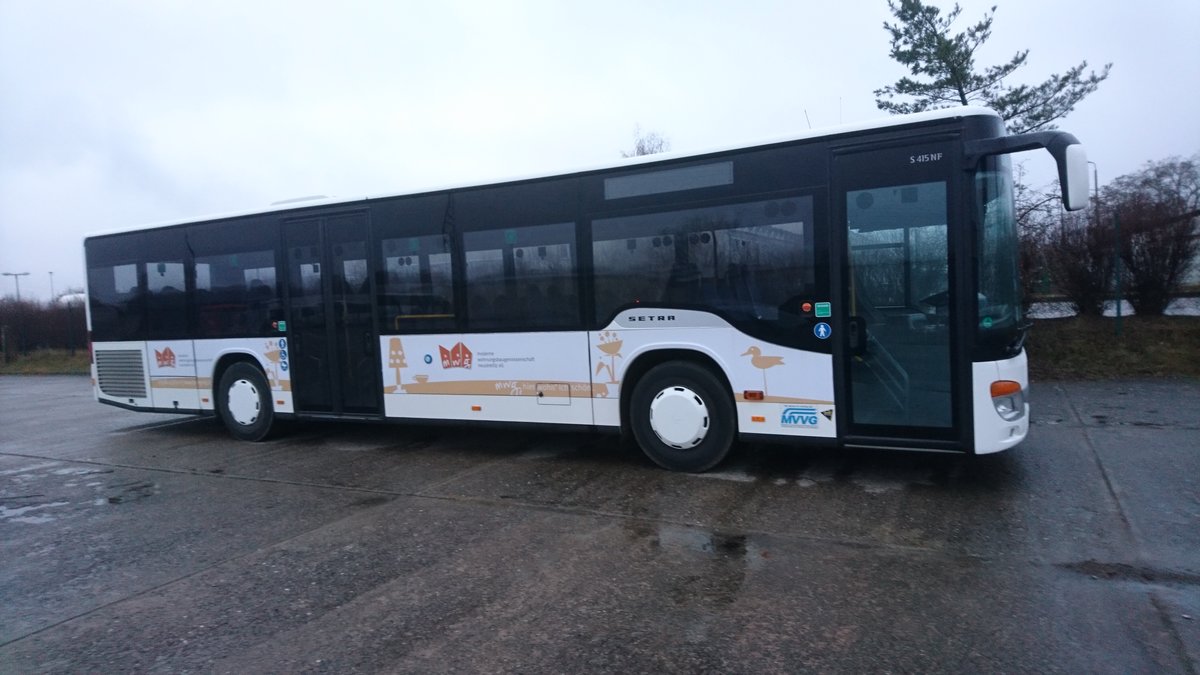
(857, 327)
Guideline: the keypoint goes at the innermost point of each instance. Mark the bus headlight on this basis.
(1009, 399)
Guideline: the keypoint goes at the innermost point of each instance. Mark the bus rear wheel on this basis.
(244, 402)
(682, 417)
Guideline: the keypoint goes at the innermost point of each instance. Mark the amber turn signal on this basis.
(1005, 388)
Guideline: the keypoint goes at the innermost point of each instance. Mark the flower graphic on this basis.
(610, 344)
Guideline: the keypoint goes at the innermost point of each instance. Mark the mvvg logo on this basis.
(799, 416)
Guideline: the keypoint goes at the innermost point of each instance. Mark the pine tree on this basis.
(945, 75)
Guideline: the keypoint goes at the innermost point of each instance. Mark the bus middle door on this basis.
(331, 330)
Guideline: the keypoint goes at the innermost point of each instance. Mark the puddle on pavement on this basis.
(369, 502)
(32, 467)
(1136, 573)
(714, 564)
(17, 514)
(129, 492)
(872, 472)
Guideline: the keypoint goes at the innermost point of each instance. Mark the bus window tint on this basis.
(749, 262)
(488, 300)
(116, 302)
(522, 278)
(998, 308)
(236, 294)
(166, 301)
(417, 293)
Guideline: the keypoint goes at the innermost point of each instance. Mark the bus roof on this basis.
(824, 132)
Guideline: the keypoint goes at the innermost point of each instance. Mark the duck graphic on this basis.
(763, 362)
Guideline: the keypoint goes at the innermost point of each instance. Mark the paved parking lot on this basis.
(134, 542)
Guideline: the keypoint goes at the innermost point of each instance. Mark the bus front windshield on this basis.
(1000, 326)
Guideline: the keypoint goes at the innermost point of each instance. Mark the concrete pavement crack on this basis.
(1109, 483)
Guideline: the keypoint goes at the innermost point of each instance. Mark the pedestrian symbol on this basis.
(822, 330)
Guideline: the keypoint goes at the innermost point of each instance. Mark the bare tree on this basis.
(1037, 219)
(1081, 257)
(648, 143)
(1158, 208)
(31, 324)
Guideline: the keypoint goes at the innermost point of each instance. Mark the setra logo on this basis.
(165, 358)
(799, 416)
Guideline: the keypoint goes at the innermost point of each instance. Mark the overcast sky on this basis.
(117, 114)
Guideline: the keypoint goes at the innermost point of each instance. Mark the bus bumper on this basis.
(994, 433)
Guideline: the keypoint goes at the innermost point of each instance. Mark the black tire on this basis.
(240, 385)
(692, 395)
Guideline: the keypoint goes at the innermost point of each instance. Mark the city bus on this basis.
(855, 288)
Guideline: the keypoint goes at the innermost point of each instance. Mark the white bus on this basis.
(855, 288)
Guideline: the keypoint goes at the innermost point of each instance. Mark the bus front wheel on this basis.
(244, 402)
(682, 417)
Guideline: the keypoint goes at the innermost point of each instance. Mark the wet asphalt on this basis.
(133, 542)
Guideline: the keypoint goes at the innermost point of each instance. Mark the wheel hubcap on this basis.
(679, 417)
(243, 402)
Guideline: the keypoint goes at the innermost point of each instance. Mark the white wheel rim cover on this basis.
(243, 402)
(679, 417)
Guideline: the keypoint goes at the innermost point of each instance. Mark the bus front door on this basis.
(897, 302)
(335, 366)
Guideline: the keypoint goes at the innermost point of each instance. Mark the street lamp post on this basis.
(1116, 247)
(1096, 187)
(17, 278)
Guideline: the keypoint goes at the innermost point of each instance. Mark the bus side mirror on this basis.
(1073, 177)
(1068, 154)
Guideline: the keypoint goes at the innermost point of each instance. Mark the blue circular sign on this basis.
(283, 343)
(428, 358)
(822, 330)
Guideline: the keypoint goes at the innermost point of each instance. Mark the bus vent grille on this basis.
(120, 373)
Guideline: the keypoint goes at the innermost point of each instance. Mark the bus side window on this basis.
(166, 314)
(416, 292)
(522, 278)
(237, 294)
(116, 302)
(742, 260)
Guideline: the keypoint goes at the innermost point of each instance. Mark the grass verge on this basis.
(47, 362)
(1088, 348)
